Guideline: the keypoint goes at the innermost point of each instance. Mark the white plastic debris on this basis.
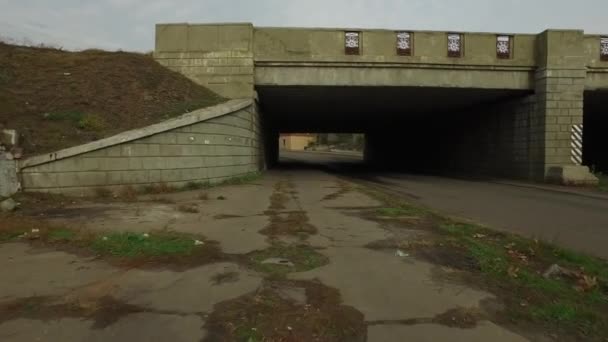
(145, 235)
(35, 230)
(278, 261)
(198, 243)
(401, 254)
(105, 238)
(289, 328)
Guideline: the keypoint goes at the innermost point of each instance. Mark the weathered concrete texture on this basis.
(134, 327)
(354, 75)
(418, 294)
(64, 329)
(485, 331)
(35, 272)
(158, 327)
(9, 182)
(219, 57)
(222, 57)
(193, 148)
(380, 284)
(240, 214)
(379, 46)
(571, 175)
(175, 302)
(394, 289)
(499, 139)
(190, 292)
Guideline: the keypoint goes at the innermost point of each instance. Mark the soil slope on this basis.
(57, 99)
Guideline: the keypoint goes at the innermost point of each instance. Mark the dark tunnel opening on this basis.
(412, 129)
(595, 138)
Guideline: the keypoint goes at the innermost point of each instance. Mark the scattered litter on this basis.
(67, 74)
(583, 282)
(278, 261)
(552, 271)
(513, 271)
(145, 235)
(479, 236)
(401, 254)
(517, 255)
(105, 238)
(35, 230)
(289, 328)
(198, 243)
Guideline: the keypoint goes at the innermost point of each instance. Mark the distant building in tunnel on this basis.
(296, 141)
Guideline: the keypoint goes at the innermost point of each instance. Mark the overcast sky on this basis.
(129, 24)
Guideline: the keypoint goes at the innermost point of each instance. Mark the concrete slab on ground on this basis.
(384, 286)
(483, 332)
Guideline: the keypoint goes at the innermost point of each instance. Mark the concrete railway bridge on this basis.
(529, 106)
(525, 106)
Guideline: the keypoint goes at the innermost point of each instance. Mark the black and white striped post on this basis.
(576, 144)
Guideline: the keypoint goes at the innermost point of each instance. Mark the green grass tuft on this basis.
(61, 235)
(247, 178)
(399, 211)
(91, 122)
(73, 116)
(136, 245)
(9, 236)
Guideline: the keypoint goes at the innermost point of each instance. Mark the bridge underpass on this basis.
(506, 105)
(413, 129)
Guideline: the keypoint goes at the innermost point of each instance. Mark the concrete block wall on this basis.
(224, 146)
(488, 140)
(494, 139)
(218, 56)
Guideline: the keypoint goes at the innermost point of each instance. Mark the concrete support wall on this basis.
(490, 140)
(9, 182)
(218, 56)
(498, 139)
(226, 145)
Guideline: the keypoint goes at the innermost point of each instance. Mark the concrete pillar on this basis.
(559, 87)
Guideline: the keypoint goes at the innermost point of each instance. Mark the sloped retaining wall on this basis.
(208, 145)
